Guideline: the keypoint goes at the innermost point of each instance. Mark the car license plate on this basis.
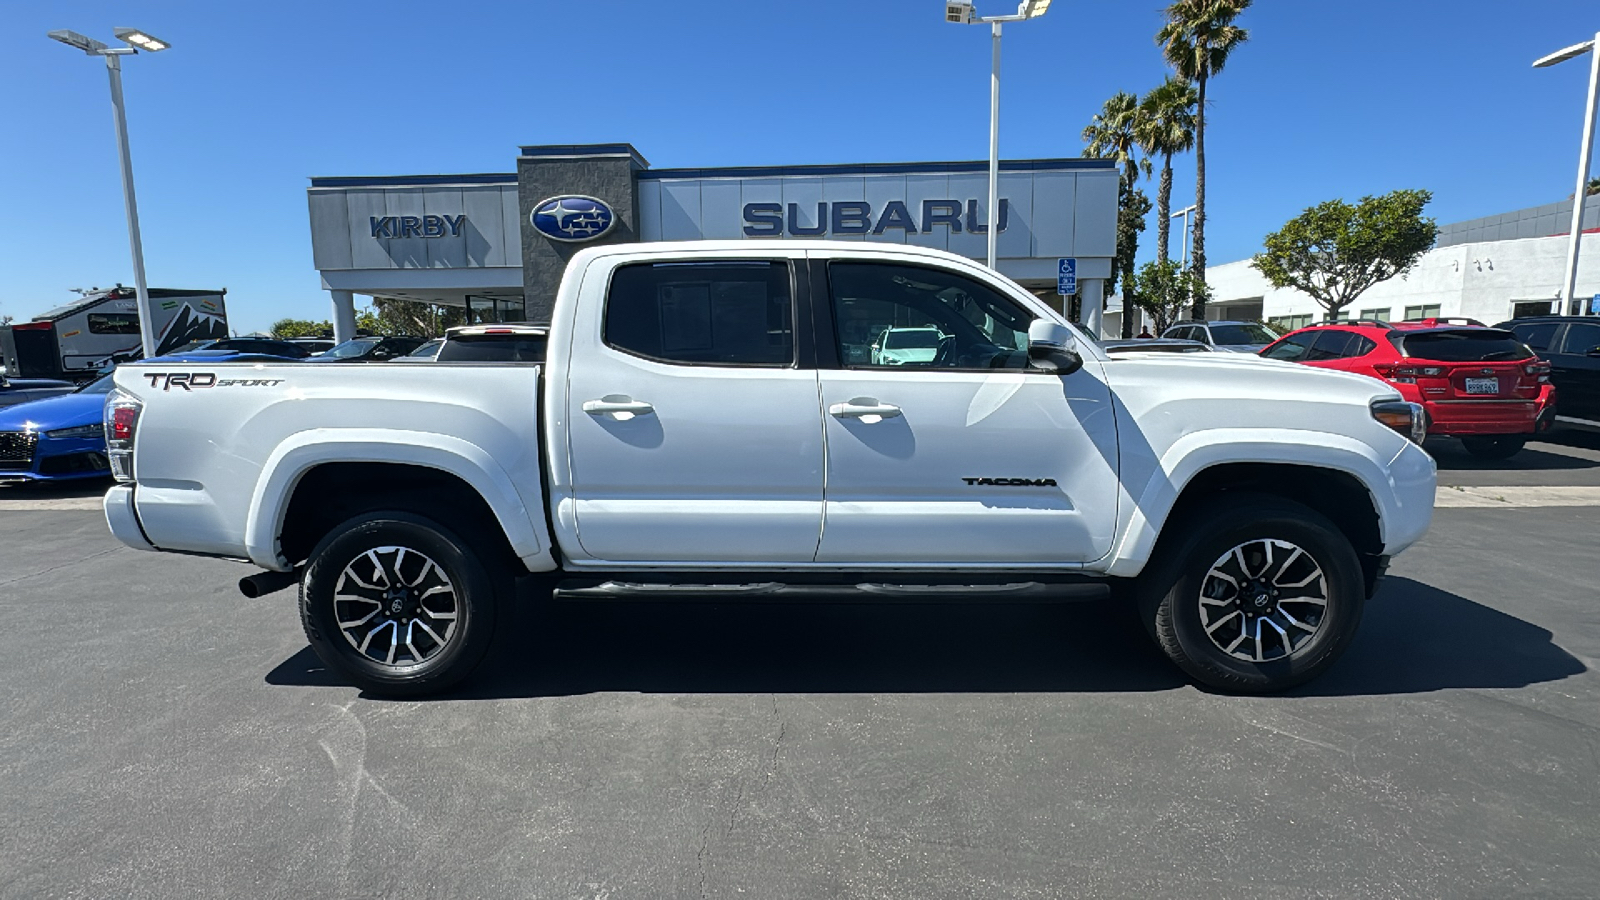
(1483, 385)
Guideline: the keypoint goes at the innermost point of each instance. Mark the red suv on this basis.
(1479, 384)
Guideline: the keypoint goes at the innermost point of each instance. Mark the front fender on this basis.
(1401, 488)
(518, 509)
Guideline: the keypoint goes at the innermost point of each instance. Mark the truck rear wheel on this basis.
(398, 603)
(1258, 597)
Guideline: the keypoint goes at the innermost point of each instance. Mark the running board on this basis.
(865, 592)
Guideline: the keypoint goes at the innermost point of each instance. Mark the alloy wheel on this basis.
(1264, 600)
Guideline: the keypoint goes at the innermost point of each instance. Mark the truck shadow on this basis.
(1415, 638)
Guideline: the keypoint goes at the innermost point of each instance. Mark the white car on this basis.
(898, 346)
(697, 429)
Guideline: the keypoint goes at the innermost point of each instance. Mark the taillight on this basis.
(1538, 368)
(34, 326)
(1408, 374)
(121, 424)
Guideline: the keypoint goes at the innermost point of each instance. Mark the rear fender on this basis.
(518, 510)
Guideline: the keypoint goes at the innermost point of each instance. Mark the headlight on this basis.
(1410, 419)
(79, 431)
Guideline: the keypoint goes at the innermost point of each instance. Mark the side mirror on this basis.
(1050, 348)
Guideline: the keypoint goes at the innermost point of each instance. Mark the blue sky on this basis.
(1331, 98)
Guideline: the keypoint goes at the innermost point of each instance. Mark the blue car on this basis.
(239, 350)
(57, 438)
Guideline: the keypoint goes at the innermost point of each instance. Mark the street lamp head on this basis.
(139, 40)
(1030, 9)
(959, 12)
(73, 39)
(1563, 54)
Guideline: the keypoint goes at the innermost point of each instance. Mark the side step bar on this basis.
(864, 592)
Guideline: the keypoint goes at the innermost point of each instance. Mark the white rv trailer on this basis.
(76, 340)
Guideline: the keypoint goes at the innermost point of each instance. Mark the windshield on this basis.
(101, 385)
(913, 339)
(349, 349)
(493, 348)
(428, 349)
(1243, 333)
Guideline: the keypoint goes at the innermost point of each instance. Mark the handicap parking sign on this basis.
(1067, 276)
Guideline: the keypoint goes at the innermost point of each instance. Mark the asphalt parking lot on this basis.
(167, 738)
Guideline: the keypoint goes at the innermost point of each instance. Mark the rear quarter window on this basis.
(1476, 345)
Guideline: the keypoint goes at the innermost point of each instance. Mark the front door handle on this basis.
(864, 408)
(623, 408)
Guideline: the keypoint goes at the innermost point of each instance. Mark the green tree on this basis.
(293, 328)
(1197, 40)
(1133, 207)
(1334, 251)
(1111, 134)
(1163, 288)
(1165, 127)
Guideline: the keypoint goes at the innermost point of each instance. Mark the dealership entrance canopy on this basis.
(497, 244)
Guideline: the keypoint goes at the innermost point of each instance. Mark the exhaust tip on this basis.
(263, 583)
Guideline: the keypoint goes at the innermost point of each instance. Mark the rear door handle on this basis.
(865, 409)
(622, 408)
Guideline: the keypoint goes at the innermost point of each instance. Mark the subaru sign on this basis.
(859, 217)
(1067, 276)
(572, 218)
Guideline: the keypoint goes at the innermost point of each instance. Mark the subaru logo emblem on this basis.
(572, 218)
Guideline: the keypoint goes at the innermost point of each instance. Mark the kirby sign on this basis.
(857, 217)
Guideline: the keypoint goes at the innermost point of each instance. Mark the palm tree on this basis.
(1112, 134)
(1165, 126)
(1197, 40)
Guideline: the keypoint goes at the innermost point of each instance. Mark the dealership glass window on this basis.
(1286, 324)
(1581, 338)
(1378, 315)
(714, 313)
(1425, 311)
(954, 321)
(1521, 309)
(1342, 315)
(113, 323)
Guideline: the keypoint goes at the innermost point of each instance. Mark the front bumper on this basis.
(33, 456)
(123, 519)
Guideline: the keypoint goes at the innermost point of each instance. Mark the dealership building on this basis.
(498, 243)
(1490, 269)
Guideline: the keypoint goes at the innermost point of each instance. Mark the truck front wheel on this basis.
(397, 603)
(1259, 596)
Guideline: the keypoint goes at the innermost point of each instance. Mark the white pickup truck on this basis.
(709, 422)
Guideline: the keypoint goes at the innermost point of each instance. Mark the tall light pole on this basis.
(1183, 238)
(136, 40)
(962, 13)
(1576, 238)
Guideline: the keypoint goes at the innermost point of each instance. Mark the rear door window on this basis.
(1292, 348)
(1537, 337)
(1581, 339)
(1330, 344)
(1466, 345)
(714, 313)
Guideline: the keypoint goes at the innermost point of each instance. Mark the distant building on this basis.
(1491, 269)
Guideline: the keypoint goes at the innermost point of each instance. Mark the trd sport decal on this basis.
(198, 380)
(1013, 482)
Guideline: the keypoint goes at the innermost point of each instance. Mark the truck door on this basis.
(965, 458)
(694, 434)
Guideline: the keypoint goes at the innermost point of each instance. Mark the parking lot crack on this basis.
(65, 565)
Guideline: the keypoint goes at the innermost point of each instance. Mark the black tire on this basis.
(1171, 590)
(438, 651)
(1499, 446)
